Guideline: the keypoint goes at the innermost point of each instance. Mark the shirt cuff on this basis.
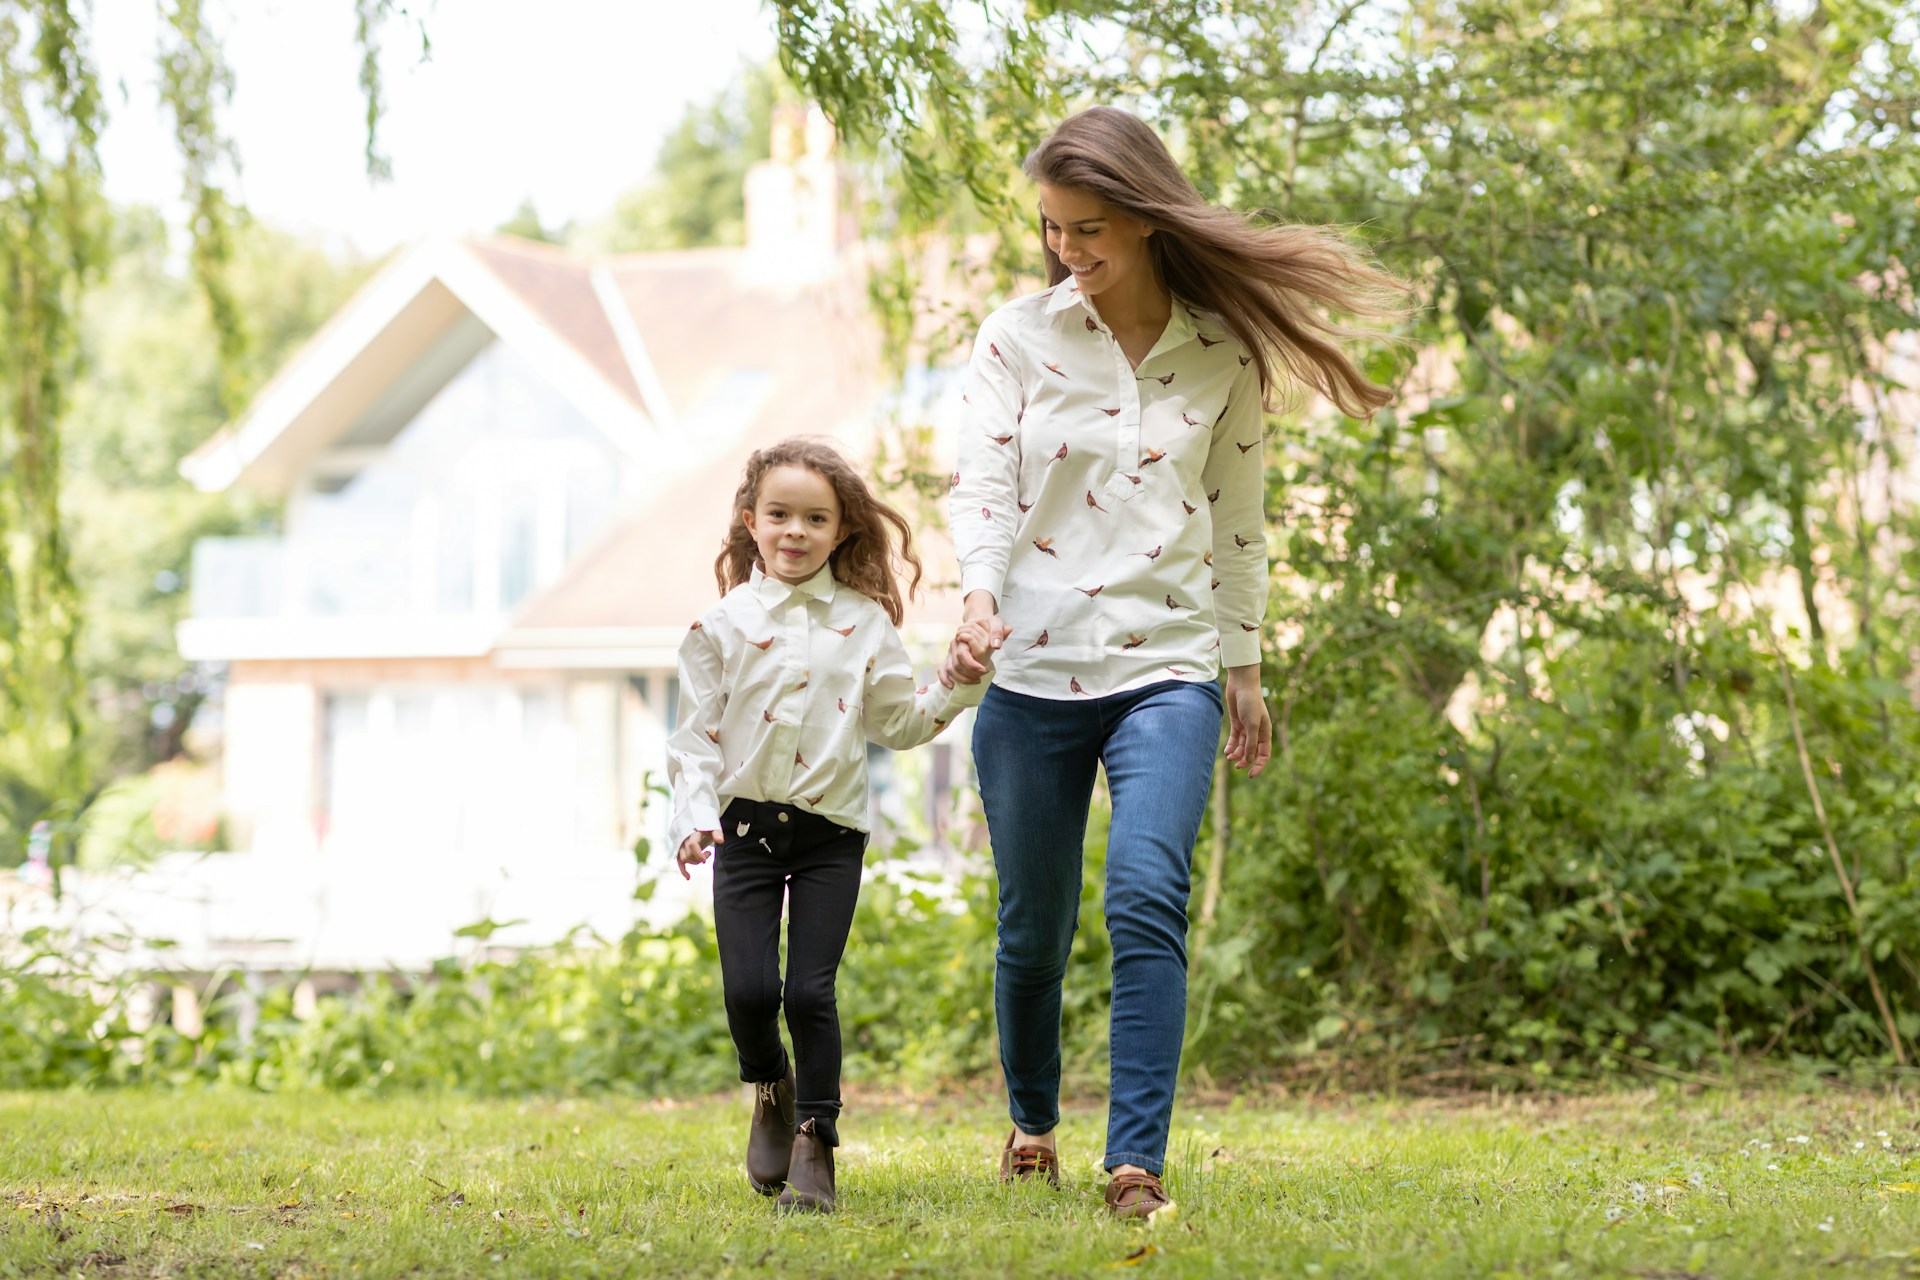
(962, 696)
(1240, 649)
(697, 815)
(980, 577)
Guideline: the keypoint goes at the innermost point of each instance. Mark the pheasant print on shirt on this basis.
(1114, 526)
(781, 688)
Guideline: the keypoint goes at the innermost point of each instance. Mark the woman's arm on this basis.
(1239, 476)
(984, 504)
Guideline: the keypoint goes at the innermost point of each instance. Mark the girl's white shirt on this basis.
(781, 687)
(1116, 514)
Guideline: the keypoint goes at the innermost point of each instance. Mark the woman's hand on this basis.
(694, 850)
(1250, 726)
(967, 662)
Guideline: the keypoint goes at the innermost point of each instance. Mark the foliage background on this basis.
(1593, 659)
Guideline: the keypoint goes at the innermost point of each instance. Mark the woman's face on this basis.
(1099, 244)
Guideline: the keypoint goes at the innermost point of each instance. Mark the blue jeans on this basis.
(1036, 759)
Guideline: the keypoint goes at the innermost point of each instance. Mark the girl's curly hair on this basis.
(864, 560)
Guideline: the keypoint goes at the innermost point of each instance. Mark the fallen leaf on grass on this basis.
(1905, 1187)
(183, 1209)
(1138, 1256)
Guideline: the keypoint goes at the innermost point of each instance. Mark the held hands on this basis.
(694, 850)
(970, 656)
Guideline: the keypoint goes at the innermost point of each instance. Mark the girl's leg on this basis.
(1036, 759)
(749, 883)
(1159, 757)
(823, 888)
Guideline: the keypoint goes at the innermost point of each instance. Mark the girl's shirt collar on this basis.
(773, 591)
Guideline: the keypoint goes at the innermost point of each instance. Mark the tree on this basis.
(1621, 589)
(694, 196)
(53, 246)
(152, 393)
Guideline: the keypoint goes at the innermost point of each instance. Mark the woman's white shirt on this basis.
(781, 686)
(1115, 513)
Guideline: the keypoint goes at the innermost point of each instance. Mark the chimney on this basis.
(794, 223)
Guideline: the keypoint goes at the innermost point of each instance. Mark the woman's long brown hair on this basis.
(1270, 284)
(864, 560)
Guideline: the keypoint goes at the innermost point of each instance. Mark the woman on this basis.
(1108, 517)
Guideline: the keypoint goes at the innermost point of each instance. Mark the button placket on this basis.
(792, 701)
(1126, 424)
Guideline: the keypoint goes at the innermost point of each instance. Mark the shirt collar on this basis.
(1180, 324)
(773, 591)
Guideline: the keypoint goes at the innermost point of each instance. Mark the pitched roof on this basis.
(818, 351)
(558, 286)
(541, 299)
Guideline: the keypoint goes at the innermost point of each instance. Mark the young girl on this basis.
(781, 685)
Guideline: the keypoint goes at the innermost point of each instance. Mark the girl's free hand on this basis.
(694, 850)
(1249, 724)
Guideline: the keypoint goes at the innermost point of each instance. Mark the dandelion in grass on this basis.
(1615, 1213)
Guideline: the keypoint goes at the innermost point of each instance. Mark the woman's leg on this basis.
(823, 888)
(1036, 759)
(1159, 756)
(749, 885)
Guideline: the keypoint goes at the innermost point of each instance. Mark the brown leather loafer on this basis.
(1136, 1195)
(770, 1135)
(1028, 1162)
(810, 1180)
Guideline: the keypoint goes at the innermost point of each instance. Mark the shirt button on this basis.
(783, 817)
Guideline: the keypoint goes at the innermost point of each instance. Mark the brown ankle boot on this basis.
(810, 1179)
(770, 1135)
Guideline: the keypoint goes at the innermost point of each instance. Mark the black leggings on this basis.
(771, 852)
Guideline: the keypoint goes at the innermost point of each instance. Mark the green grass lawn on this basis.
(1717, 1184)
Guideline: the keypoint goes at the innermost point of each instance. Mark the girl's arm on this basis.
(694, 760)
(1239, 521)
(984, 504)
(901, 716)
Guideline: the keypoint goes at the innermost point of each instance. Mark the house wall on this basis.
(268, 763)
(447, 763)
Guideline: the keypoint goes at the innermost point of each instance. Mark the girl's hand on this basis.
(694, 850)
(968, 661)
(978, 641)
(1250, 726)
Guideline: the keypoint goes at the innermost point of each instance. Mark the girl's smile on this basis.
(795, 522)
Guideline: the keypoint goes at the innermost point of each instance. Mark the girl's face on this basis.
(1099, 244)
(795, 522)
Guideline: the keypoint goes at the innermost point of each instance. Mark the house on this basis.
(506, 471)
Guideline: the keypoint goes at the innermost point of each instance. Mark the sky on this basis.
(561, 101)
